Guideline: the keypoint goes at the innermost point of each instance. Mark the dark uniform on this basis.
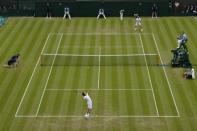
(48, 9)
(13, 59)
(154, 10)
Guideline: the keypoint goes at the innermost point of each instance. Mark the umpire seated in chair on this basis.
(14, 61)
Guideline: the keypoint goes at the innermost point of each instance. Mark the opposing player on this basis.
(138, 24)
(67, 13)
(101, 13)
(121, 14)
(87, 98)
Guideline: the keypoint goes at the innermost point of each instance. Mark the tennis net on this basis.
(98, 60)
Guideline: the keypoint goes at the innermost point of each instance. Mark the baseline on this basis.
(99, 33)
(98, 116)
(136, 89)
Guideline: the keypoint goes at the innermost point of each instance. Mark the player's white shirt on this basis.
(138, 21)
(193, 73)
(66, 10)
(101, 12)
(89, 101)
(121, 12)
(184, 36)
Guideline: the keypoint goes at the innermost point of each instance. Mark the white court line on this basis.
(99, 89)
(99, 68)
(34, 70)
(48, 76)
(99, 55)
(169, 86)
(99, 33)
(98, 116)
(106, 46)
(149, 76)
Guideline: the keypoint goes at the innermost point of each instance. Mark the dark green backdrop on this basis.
(91, 7)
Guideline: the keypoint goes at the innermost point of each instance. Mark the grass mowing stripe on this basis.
(24, 48)
(169, 86)
(133, 100)
(13, 93)
(39, 39)
(185, 122)
(191, 38)
(57, 83)
(168, 45)
(12, 78)
(82, 72)
(64, 82)
(188, 107)
(7, 36)
(128, 79)
(71, 70)
(52, 97)
(11, 38)
(148, 106)
(6, 30)
(160, 94)
(75, 83)
(32, 74)
(43, 49)
(48, 77)
(30, 83)
(115, 79)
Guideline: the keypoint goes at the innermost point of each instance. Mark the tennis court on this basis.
(117, 77)
(126, 73)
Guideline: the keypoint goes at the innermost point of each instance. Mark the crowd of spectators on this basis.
(5, 8)
(191, 9)
(6, 5)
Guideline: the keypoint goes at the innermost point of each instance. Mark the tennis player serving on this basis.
(87, 98)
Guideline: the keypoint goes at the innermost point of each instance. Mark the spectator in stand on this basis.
(195, 10)
(191, 10)
(48, 9)
(154, 10)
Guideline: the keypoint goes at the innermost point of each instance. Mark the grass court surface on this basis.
(125, 97)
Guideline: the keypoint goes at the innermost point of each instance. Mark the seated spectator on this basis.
(195, 10)
(189, 73)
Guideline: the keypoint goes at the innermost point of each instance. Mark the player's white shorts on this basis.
(138, 24)
(90, 106)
